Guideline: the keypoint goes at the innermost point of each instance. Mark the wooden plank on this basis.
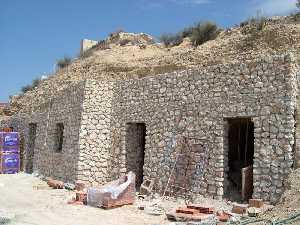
(247, 182)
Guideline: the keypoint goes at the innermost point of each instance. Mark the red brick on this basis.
(202, 209)
(186, 210)
(222, 216)
(81, 196)
(74, 202)
(56, 184)
(126, 198)
(239, 208)
(257, 203)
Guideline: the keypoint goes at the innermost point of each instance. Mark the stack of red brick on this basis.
(103, 196)
(55, 184)
(81, 195)
(196, 213)
(125, 198)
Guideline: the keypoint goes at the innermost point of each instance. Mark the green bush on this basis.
(199, 34)
(64, 62)
(259, 23)
(187, 32)
(26, 88)
(296, 16)
(203, 32)
(30, 87)
(170, 40)
(254, 24)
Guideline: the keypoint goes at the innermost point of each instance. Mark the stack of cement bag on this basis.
(9, 152)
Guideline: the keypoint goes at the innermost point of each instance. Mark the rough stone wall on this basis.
(297, 132)
(196, 104)
(95, 129)
(65, 108)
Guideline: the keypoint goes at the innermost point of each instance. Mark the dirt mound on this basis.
(123, 57)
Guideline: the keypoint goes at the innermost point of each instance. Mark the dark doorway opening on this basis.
(31, 145)
(59, 137)
(240, 158)
(135, 150)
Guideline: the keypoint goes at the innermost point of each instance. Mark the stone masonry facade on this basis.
(40, 150)
(99, 143)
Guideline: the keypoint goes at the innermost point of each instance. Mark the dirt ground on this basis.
(29, 206)
(46, 206)
(49, 207)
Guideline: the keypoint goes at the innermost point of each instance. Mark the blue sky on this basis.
(35, 33)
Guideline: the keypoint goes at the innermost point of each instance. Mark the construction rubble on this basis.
(175, 211)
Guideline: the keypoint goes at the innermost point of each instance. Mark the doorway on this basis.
(135, 150)
(31, 145)
(240, 158)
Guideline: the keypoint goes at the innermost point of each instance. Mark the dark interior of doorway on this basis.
(240, 158)
(135, 150)
(31, 145)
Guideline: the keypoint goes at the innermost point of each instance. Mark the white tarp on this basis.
(114, 189)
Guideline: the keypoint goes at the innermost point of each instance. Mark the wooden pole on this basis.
(246, 143)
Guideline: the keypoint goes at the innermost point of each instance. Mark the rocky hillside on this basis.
(124, 56)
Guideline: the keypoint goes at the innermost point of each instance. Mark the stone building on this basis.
(221, 119)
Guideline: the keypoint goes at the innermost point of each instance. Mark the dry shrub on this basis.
(63, 63)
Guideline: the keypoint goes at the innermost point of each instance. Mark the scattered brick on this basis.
(202, 209)
(55, 184)
(186, 210)
(74, 202)
(125, 198)
(257, 203)
(81, 196)
(239, 208)
(223, 216)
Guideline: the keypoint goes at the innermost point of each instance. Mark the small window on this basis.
(59, 136)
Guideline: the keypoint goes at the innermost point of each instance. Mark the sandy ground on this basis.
(30, 206)
(49, 207)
